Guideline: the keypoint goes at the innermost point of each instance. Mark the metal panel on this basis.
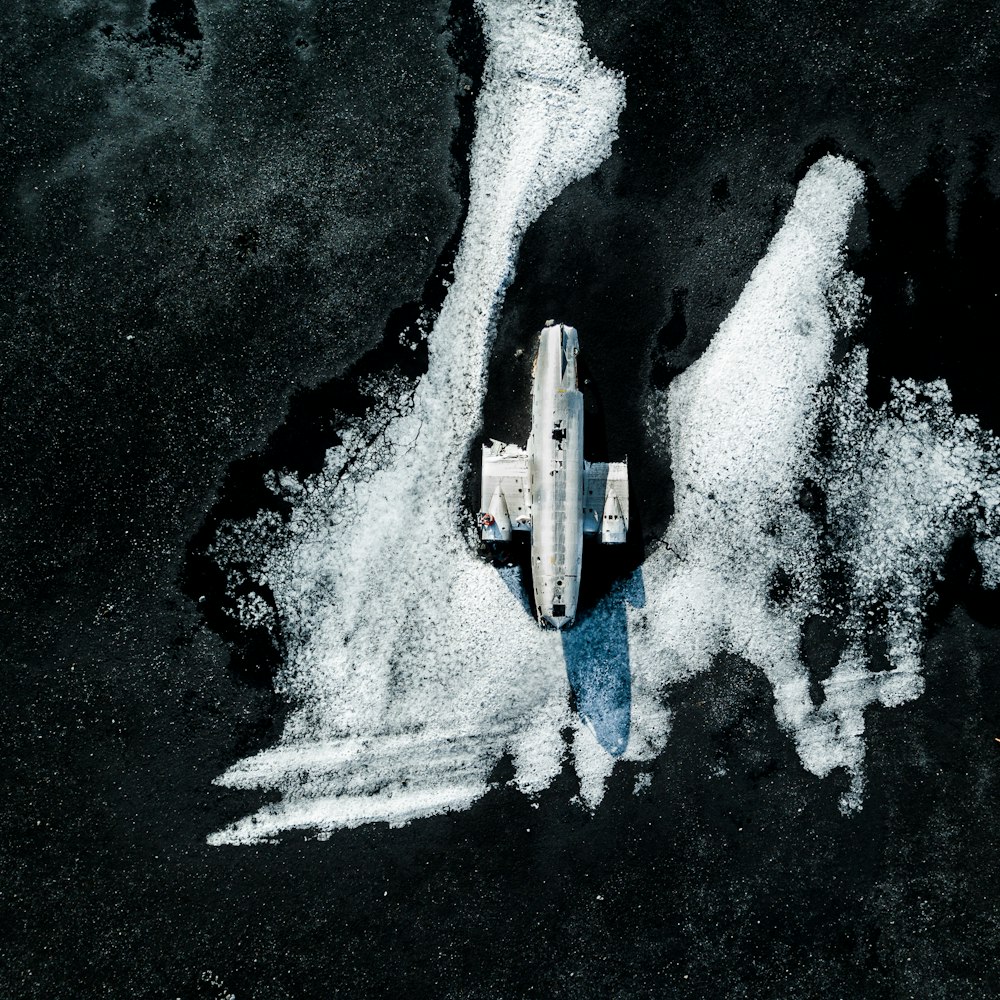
(605, 500)
(505, 494)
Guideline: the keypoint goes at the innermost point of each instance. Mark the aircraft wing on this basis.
(505, 501)
(605, 500)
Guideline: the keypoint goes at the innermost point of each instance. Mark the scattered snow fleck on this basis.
(642, 782)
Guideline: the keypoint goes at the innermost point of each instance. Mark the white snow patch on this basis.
(988, 553)
(593, 766)
(412, 666)
(742, 421)
(901, 485)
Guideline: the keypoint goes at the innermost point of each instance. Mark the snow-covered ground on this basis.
(412, 666)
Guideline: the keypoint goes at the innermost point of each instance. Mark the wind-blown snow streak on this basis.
(412, 665)
(745, 563)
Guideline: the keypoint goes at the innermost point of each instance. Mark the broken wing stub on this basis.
(605, 501)
(505, 501)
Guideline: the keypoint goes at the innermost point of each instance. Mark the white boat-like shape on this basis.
(549, 489)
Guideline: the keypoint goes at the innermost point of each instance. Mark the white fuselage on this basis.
(548, 489)
(556, 477)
